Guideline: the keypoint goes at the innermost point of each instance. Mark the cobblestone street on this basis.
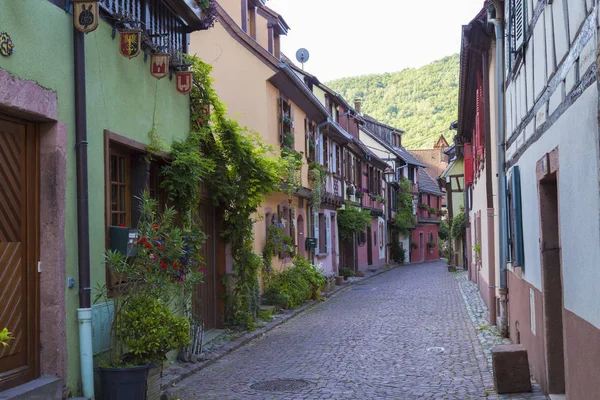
(404, 334)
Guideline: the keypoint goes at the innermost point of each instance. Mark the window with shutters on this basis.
(515, 249)
(468, 159)
(322, 233)
(519, 23)
(162, 29)
(311, 140)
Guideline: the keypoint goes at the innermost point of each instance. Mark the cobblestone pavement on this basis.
(404, 334)
(488, 336)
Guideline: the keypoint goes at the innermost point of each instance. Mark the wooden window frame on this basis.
(122, 209)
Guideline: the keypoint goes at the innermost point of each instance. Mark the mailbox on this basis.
(123, 239)
(311, 243)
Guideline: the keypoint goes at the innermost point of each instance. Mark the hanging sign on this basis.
(184, 81)
(85, 15)
(159, 65)
(129, 42)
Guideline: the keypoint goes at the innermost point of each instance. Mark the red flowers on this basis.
(143, 240)
(163, 265)
(155, 226)
(159, 246)
(148, 245)
(122, 225)
(175, 265)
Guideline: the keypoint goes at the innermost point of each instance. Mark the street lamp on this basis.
(389, 175)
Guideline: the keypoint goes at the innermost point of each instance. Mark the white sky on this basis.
(357, 37)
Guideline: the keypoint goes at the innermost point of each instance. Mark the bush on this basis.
(149, 330)
(346, 272)
(414, 245)
(398, 251)
(444, 232)
(293, 286)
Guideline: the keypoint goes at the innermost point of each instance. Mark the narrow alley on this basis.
(404, 334)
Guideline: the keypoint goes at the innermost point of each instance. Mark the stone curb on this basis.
(182, 371)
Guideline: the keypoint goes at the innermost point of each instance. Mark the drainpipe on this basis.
(497, 22)
(84, 312)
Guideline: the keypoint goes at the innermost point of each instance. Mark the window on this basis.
(362, 238)
(515, 248)
(411, 174)
(286, 124)
(323, 233)
(120, 204)
(309, 130)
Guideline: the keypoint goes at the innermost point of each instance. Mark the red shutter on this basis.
(468, 164)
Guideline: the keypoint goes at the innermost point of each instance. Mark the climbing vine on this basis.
(291, 163)
(238, 169)
(318, 177)
(352, 220)
(405, 220)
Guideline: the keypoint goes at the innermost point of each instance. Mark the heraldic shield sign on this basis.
(85, 15)
(159, 65)
(184, 81)
(129, 42)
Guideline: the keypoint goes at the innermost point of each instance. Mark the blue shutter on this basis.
(518, 218)
(507, 202)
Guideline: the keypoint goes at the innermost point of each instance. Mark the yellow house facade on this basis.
(266, 98)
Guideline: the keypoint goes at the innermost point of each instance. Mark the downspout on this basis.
(84, 312)
(489, 192)
(497, 22)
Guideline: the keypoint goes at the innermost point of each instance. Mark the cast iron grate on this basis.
(280, 385)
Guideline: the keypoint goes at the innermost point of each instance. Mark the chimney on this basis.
(357, 103)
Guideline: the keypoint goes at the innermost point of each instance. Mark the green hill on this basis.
(423, 101)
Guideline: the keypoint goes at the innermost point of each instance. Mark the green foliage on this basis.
(346, 272)
(245, 170)
(431, 245)
(186, 171)
(398, 252)
(414, 245)
(444, 231)
(5, 337)
(291, 171)
(149, 330)
(420, 101)
(404, 221)
(317, 176)
(352, 220)
(277, 243)
(167, 267)
(459, 226)
(293, 286)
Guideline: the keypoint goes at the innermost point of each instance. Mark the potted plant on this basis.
(423, 207)
(346, 273)
(360, 193)
(432, 211)
(431, 245)
(350, 189)
(151, 293)
(414, 245)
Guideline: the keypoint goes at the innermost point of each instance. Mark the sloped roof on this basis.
(432, 158)
(406, 156)
(400, 152)
(427, 184)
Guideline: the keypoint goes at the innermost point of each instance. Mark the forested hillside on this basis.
(423, 102)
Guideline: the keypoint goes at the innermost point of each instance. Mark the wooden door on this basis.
(18, 251)
(369, 246)
(206, 300)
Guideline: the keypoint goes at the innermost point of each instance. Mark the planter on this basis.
(153, 391)
(339, 280)
(123, 383)
(451, 268)
(349, 191)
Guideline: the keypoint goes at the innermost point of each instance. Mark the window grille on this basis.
(162, 29)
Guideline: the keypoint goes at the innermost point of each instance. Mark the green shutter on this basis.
(507, 202)
(518, 218)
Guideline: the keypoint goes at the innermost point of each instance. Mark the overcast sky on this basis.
(357, 37)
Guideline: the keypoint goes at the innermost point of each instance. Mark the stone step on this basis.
(46, 387)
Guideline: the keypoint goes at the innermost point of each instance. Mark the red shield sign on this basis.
(129, 42)
(184, 81)
(159, 65)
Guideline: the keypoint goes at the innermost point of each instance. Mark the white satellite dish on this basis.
(302, 56)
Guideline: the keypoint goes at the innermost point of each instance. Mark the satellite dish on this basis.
(302, 56)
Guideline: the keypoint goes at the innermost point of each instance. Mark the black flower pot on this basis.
(123, 383)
